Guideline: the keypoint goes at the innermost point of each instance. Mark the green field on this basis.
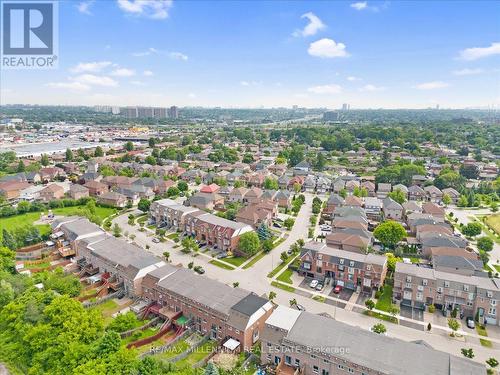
(493, 221)
(17, 221)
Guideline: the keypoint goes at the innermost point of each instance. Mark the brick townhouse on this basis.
(419, 287)
(307, 344)
(204, 227)
(214, 308)
(348, 269)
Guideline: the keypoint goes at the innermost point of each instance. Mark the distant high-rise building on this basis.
(173, 112)
(330, 116)
(345, 107)
(115, 110)
(102, 108)
(145, 112)
(295, 107)
(437, 106)
(129, 112)
(159, 112)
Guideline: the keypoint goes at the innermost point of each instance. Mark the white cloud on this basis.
(480, 52)
(178, 56)
(154, 51)
(84, 7)
(353, 78)
(92, 67)
(74, 86)
(314, 25)
(138, 83)
(371, 88)
(467, 72)
(192, 95)
(123, 72)
(360, 5)
(155, 9)
(325, 89)
(93, 80)
(431, 85)
(249, 83)
(327, 48)
(147, 73)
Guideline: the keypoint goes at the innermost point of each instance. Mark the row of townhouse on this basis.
(206, 228)
(224, 313)
(214, 309)
(340, 267)
(303, 343)
(475, 296)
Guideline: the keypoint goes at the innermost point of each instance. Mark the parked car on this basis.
(156, 240)
(313, 284)
(199, 269)
(337, 289)
(277, 225)
(470, 322)
(221, 255)
(319, 286)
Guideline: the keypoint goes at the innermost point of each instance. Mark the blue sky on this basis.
(391, 54)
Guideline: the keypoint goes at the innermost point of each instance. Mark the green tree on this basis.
(454, 325)
(389, 233)
(379, 328)
(6, 293)
(398, 196)
(271, 184)
(173, 191)
(98, 152)
(211, 369)
(446, 199)
(44, 160)
(472, 229)
(129, 146)
(492, 362)
(249, 243)
(467, 353)
(485, 244)
(144, 204)
(272, 295)
(267, 245)
(69, 154)
(20, 166)
(369, 304)
(320, 162)
(117, 231)
(166, 255)
(182, 186)
(288, 223)
(189, 244)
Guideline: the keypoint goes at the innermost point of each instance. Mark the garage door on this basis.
(340, 282)
(350, 285)
(489, 320)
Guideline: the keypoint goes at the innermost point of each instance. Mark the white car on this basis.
(313, 284)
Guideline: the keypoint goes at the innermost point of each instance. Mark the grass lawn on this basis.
(482, 332)
(101, 212)
(221, 265)
(17, 221)
(197, 355)
(493, 222)
(286, 276)
(283, 286)
(385, 300)
(31, 265)
(235, 261)
(386, 318)
(178, 348)
(319, 298)
(107, 309)
(140, 335)
(173, 236)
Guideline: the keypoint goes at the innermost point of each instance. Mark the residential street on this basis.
(255, 279)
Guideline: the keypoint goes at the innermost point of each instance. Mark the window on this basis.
(297, 362)
(424, 282)
(341, 367)
(313, 356)
(408, 279)
(492, 311)
(368, 267)
(466, 288)
(489, 294)
(446, 284)
(351, 263)
(288, 360)
(341, 261)
(351, 371)
(493, 302)
(315, 369)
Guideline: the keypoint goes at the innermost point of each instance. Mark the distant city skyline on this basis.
(368, 54)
